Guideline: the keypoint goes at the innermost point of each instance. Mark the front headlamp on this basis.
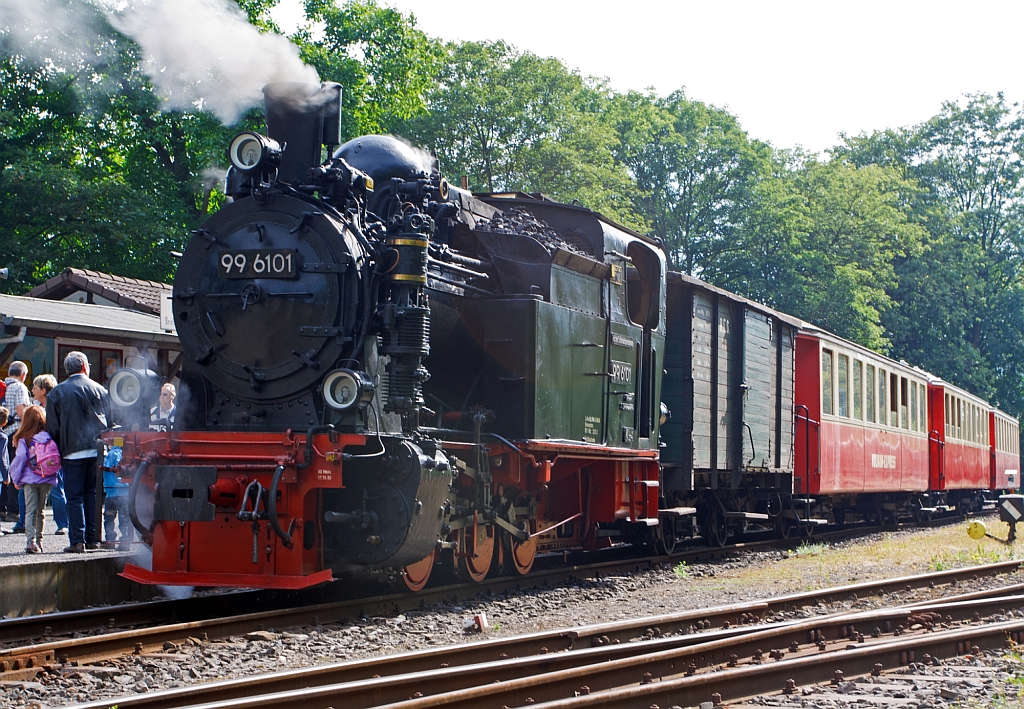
(125, 388)
(344, 389)
(252, 152)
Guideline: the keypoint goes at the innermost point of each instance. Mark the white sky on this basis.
(795, 72)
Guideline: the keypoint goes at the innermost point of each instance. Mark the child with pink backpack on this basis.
(34, 469)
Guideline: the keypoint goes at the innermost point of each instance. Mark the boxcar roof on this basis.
(675, 278)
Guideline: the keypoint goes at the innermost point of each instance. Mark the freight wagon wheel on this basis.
(666, 536)
(783, 527)
(476, 551)
(716, 529)
(416, 575)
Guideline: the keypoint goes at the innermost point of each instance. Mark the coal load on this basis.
(516, 220)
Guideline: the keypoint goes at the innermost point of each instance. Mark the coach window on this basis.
(894, 402)
(826, 382)
(904, 397)
(844, 386)
(924, 408)
(949, 420)
(870, 398)
(857, 386)
(959, 422)
(913, 406)
(882, 405)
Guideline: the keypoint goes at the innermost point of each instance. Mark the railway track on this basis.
(35, 642)
(16, 632)
(641, 662)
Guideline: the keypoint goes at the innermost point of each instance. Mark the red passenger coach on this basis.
(862, 428)
(960, 446)
(1004, 433)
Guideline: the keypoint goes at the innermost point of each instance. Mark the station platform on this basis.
(54, 581)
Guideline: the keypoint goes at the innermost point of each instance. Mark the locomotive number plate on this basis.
(258, 263)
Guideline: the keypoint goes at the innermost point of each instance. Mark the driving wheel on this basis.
(416, 575)
(476, 551)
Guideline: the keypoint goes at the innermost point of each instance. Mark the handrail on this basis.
(942, 458)
(286, 537)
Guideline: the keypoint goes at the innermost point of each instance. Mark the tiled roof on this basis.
(131, 293)
(58, 316)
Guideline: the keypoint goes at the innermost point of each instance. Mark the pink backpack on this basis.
(45, 459)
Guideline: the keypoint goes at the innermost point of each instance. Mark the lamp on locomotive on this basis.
(133, 393)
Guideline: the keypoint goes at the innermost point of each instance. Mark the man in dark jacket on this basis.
(77, 410)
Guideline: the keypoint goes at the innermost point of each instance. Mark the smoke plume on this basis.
(199, 54)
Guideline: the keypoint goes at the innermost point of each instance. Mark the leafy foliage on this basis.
(94, 174)
(511, 120)
(384, 64)
(959, 302)
(908, 240)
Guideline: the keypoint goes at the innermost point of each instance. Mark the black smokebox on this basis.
(302, 117)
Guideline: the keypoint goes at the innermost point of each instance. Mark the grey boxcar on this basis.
(729, 370)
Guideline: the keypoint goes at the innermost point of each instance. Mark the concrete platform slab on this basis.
(55, 581)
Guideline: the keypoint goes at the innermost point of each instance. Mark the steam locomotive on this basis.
(385, 374)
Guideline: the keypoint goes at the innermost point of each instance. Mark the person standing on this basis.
(162, 415)
(34, 470)
(77, 411)
(15, 400)
(41, 388)
(115, 504)
(4, 457)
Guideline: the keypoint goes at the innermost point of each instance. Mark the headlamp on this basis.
(125, 388)
(344, 389)
(252, 152)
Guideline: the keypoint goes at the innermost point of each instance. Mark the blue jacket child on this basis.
(112, 485)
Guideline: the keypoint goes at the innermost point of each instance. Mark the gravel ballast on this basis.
(667, 589)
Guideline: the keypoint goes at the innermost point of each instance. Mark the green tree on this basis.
(694, 170)
(819, 240)
(959, 305)
(383, 62)
(94, 174)
(510, 120)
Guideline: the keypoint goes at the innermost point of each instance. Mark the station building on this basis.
(114, 320)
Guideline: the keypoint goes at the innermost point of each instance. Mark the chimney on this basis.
(302, 118)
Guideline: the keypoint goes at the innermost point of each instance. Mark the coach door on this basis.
(758, 408)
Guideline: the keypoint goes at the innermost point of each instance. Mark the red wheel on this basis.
(521, 555)
(476, 551)
(416, 575)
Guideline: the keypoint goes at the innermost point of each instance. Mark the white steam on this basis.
(199, 54)
(61, 35)
(205, 54)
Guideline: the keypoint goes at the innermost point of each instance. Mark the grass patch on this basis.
(945, 560)
(903, 553)
(809, 549)
(681, 570)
